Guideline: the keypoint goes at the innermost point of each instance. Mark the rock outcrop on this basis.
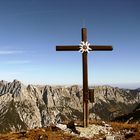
(132, 117)
(26, 107)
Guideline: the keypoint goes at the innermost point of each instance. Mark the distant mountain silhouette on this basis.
(27, 107)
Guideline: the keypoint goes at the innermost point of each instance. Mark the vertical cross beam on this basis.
(85, 81)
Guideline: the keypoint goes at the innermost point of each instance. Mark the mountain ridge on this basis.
(38, 106)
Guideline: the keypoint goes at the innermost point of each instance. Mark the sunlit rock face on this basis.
(26, 107)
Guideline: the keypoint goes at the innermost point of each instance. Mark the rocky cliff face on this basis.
(114, 101)
(26, 107)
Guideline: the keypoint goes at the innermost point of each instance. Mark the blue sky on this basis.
(30, 30)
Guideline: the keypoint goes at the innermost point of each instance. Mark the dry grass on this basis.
(54, 133)
(50, 133)
(120, 126)
(124, 126)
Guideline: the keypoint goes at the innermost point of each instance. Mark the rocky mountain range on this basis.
(27, 107)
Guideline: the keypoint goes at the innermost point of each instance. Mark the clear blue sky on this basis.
(30, 30)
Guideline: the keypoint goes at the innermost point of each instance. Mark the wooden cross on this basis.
(84, 45)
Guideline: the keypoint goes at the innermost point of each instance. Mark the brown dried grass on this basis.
(54, 133)
(50, 133)
(118, 126)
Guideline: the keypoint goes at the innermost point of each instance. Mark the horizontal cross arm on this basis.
(67, 48)
(77, 48)
(101, 48)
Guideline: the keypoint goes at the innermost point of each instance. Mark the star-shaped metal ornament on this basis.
(84, 47)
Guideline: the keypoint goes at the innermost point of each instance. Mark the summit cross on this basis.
(84, 47)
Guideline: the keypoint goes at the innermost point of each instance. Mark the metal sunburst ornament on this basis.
(84, 47)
